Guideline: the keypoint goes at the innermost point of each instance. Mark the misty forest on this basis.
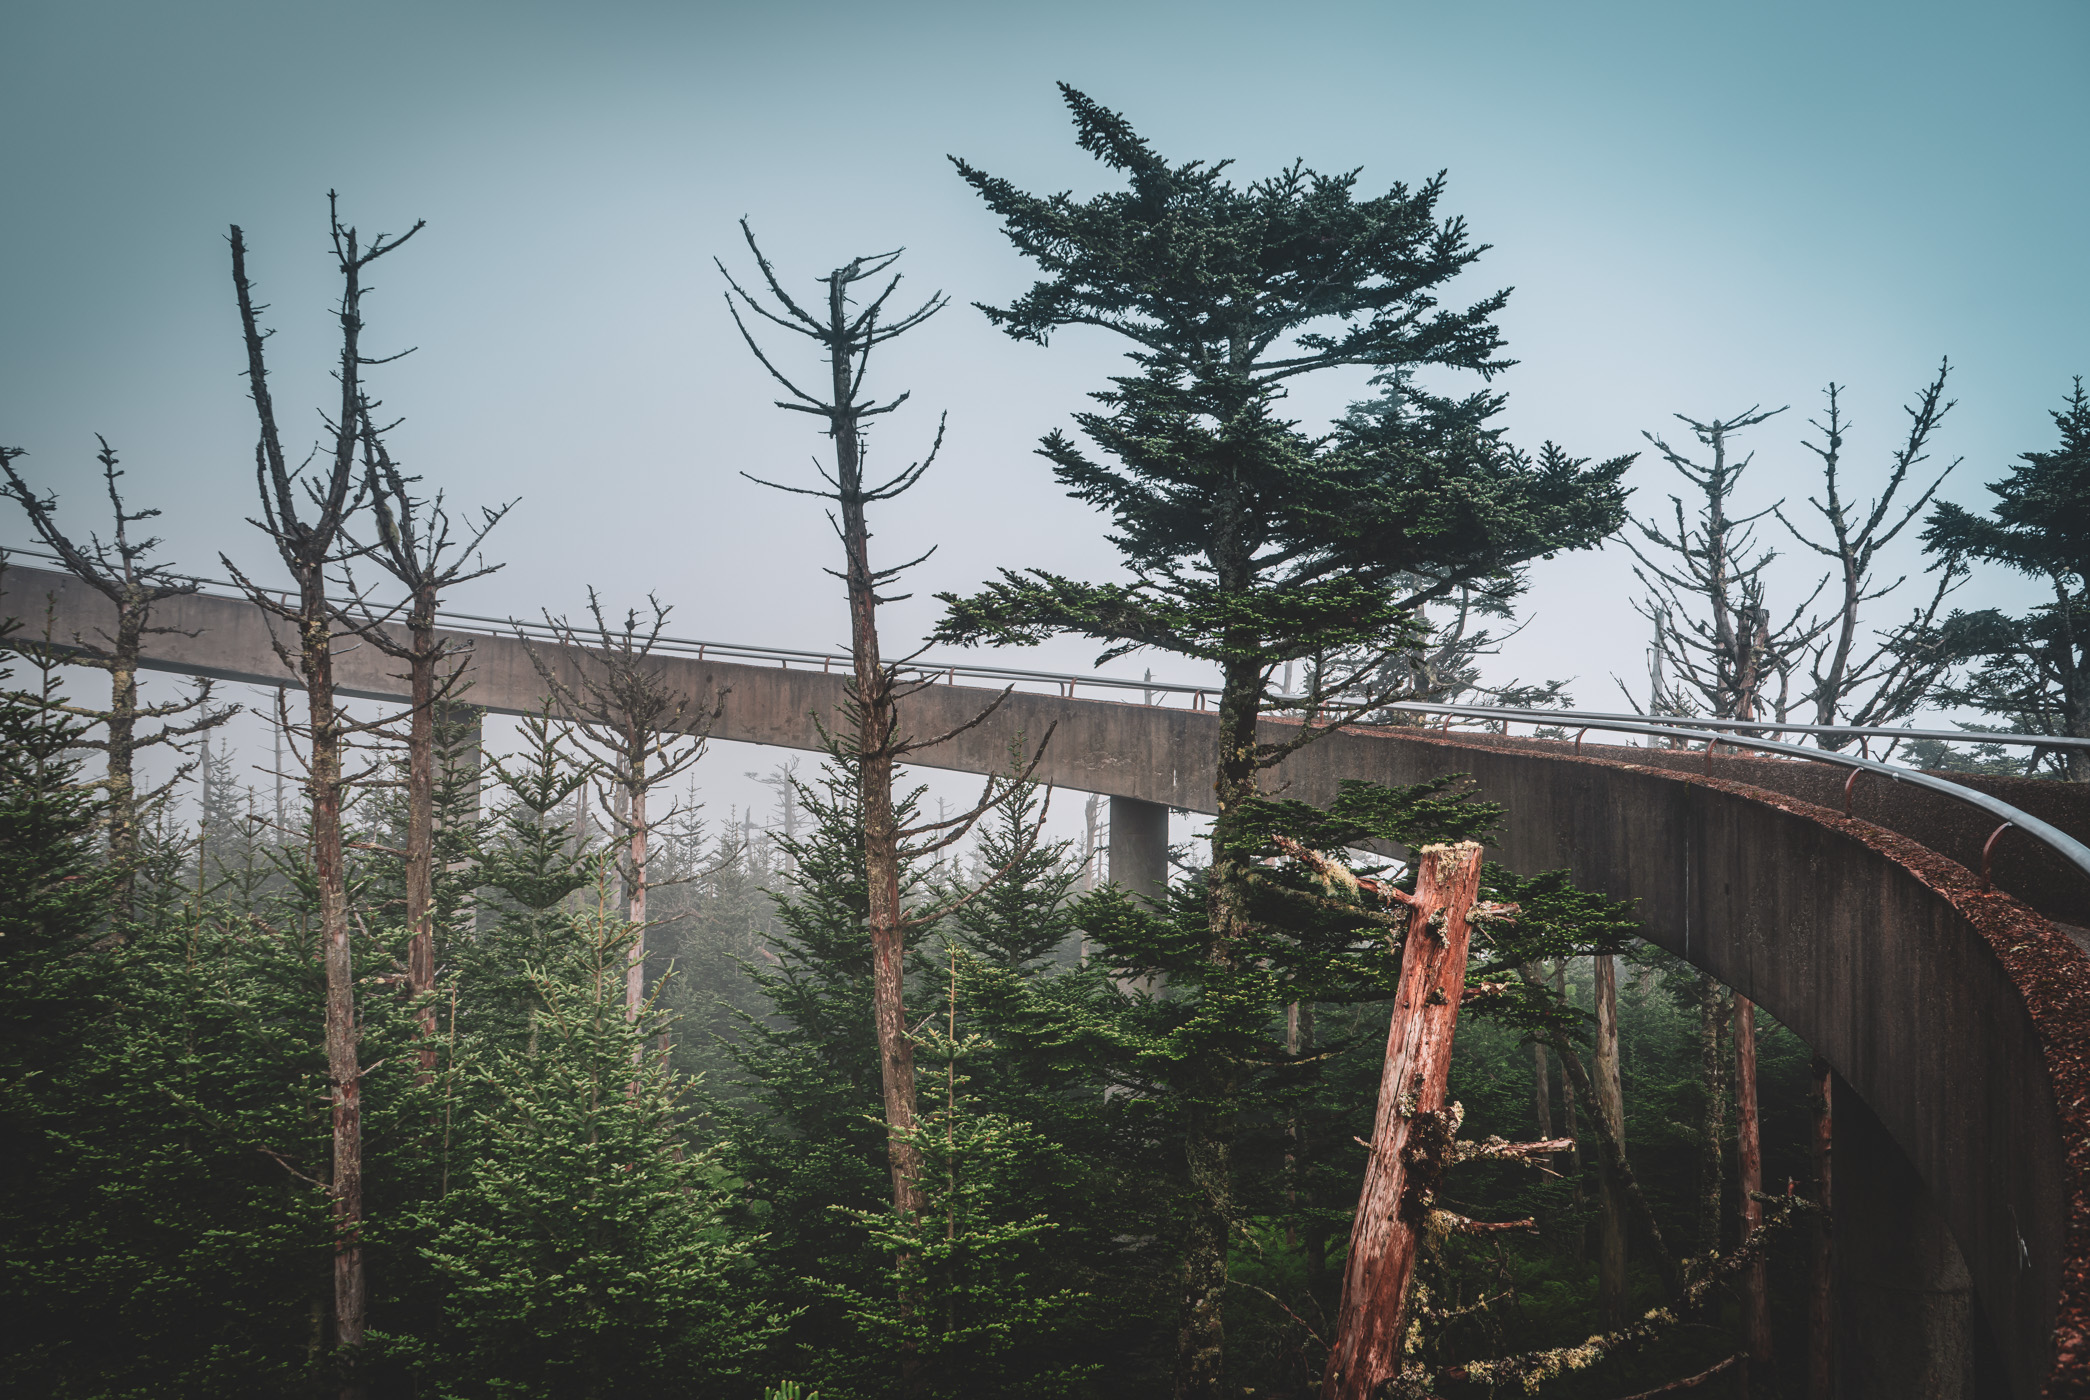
(449, 1045)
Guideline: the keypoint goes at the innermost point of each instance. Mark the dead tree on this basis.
(1528, 1371)
(1756, 1298)
(1610, 1108)
(1715, 1012)
(637, 731)
(415, 547)
(1714, 633)
(121, 570)
(1385, 1237)
(1850, 683)
(847, 332)
(309, 546)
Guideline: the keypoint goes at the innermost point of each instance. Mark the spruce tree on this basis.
(981, 1295)
(1253, 542)
(802, 1125)
(1024, 919)
(2033, 669)
(581, 1246)
(53, 989)
(532, 865)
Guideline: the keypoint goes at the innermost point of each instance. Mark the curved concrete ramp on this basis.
(1961, 1018)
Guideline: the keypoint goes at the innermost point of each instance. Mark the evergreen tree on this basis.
(54, 893)
(2034, 670)
(532, 863)
(980, 1295)
(713, 921)
(803, 1128)
(1251, 541)
(1024, 918)
(581, 1247)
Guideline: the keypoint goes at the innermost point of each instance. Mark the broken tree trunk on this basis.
(1385, 1236)
(1610, 1108)
(1756, 1305)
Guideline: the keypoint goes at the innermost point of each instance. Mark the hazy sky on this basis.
(1701, 207)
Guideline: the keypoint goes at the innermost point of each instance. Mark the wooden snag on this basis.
(1611, 1115)
(1756, 1302)
(1821, 1322)
(1409, 1136)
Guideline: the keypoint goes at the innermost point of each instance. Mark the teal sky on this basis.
(1701, 207)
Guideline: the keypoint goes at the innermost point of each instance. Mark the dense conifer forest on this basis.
(439, 1067)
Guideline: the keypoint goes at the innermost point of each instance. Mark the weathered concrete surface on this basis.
(1961, 1018)
(1906, 1324)
(2025, 867)
(1139, 846)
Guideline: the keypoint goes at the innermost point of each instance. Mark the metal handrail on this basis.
(2066, 846)
(480, 624)
(483, 625)
(1760, 726)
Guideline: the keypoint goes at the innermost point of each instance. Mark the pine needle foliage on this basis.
(2032, 669)
(582, 1246)
(1253, 542)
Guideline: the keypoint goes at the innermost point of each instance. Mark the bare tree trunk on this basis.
(1715, 1009)
(1756, 1303)
(635, 957)
(1567, 1120)
(1612, 1156)
(420, 829)
(876, 723)
(1385, 1235)
(1821, 1321)
(1541, 1079)
(330, 877)
(121, 727)
(1610, 1106)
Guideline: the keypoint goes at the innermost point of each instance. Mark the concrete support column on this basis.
(1905, 1314)
(1139, 847)
(1139, 860)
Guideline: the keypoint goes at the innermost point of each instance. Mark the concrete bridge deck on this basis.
(1960, 1017)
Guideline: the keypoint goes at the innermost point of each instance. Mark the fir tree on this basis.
(980, 1294)
(2033, 669)
(1252, 542)
(802, 1129)
(581, 1247)
(1024, 918)
(714, 920)
(532, 863)
(53, 985)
